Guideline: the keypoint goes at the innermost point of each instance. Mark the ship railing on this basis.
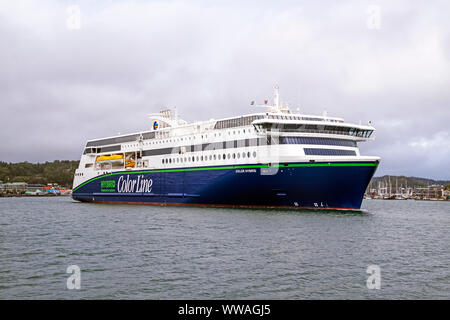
(266, 131)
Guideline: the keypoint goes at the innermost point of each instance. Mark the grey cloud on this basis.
(59, 88)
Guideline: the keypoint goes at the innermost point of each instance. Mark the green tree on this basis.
(60, 172)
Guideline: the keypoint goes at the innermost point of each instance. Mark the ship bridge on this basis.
(276, 126)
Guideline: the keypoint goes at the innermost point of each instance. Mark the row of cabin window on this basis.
(237, 122)
(188, 138)
(117, 147)
(122, 139)
(211, 157)
(290, 117)
(318, 141)
(245, 121)
(316, 128)
(328, 152)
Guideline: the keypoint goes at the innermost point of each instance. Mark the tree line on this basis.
(60, 172)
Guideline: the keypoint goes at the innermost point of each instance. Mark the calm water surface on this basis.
(145, 252)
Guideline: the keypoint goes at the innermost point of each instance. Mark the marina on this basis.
(396, 188)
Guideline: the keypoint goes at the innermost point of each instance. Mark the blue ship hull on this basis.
(336, 185)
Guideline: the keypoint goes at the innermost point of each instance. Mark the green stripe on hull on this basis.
(322, 164)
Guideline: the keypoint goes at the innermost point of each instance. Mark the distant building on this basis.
(52, 188)
(35, 189)
(65, 192)
(54, 191)
(15, 187)
(1, 187)
(431, 192)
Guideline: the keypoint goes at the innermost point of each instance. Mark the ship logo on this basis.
(155, 125)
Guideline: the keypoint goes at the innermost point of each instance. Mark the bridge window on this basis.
(329, 152)
(317, 141)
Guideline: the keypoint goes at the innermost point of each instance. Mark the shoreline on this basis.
(68, 195)
(407, 199)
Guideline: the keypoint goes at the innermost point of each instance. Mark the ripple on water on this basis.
(143, 252)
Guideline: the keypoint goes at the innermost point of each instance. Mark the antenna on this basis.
(276, 98)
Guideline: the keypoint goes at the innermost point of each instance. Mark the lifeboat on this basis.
(129, 164)
(113, 157)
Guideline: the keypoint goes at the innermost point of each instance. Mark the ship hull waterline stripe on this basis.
(322, 164)
(162, 204)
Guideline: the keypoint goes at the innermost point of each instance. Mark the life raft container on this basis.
(113, 157)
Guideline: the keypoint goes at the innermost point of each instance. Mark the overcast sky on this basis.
(65, 80)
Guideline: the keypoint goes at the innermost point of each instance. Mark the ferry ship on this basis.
(269, 159)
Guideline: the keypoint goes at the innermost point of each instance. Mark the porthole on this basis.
(229, 156)
(254, 154)
(243, 154)
(234, 155)
(248, 154)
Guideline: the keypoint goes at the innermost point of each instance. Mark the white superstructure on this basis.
(274, 136)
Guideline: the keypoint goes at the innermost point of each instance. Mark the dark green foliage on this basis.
(60, 172)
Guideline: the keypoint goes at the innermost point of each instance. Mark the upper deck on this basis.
(264, 123)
